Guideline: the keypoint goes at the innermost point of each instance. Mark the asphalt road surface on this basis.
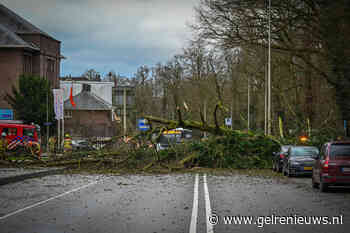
(171, 203)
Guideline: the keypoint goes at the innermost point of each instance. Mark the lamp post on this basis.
(269, 77)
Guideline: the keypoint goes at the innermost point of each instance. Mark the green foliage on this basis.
(29, 100)
(235, 150)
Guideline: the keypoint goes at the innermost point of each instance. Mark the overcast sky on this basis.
(106, 35)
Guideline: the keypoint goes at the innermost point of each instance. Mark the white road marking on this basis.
(193, 225)
(207, 205)
(45, 201)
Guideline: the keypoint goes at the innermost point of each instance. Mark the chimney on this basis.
(86, 87)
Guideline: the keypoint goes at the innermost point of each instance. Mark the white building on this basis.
(102, 90)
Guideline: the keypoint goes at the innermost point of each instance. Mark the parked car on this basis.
(332, 166)
(299, 160)
(81, 145)
(277, 160)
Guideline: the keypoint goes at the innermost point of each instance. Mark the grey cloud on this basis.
(128, 33)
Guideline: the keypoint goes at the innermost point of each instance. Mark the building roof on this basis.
(12, 25)
(11, 39)
(87, 101)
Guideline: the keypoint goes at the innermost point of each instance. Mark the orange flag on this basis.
(71, 96)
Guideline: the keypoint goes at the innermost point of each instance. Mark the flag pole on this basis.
(58, 134)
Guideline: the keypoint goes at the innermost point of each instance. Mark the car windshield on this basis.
(340, 150)
(28, 132)
(304, 151)
(170, 138)
(285, 148)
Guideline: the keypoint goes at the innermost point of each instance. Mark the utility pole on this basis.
(124, 111)
(265, 122)
(269, 77)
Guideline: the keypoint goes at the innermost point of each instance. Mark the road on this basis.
(167, 203)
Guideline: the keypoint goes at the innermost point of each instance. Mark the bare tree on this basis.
(313, 32)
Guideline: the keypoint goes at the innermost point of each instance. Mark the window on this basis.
(27, 64)
(342, 150)
(304, 151)
(50, 66)
(28, 132)
(10, 131)
(67, 114)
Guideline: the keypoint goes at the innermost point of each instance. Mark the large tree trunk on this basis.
(189, 125)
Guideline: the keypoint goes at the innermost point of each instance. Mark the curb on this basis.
(18, 178)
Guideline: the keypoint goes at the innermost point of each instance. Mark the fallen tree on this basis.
(226, 148)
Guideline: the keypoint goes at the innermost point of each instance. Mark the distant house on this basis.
(93, 113)
(25, 49)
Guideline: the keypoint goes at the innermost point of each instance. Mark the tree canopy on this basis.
(29, 100)
(314, 32)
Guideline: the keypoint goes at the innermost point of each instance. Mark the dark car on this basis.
(332, 166)
(299, 160)
(277, 160)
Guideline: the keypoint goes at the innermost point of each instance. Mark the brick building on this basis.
(92, 114)
(25, 49)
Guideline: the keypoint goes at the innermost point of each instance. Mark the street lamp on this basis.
(269, 76)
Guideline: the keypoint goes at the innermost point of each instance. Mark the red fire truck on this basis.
(20, 135)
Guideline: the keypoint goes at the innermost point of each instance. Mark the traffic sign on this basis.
(228, 121)
(143, 124)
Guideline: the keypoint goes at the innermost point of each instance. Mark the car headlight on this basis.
(294, 163)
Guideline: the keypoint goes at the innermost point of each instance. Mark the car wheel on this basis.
(314, 184)
(323, 186)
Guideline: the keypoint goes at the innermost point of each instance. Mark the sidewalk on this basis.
(11, 175)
